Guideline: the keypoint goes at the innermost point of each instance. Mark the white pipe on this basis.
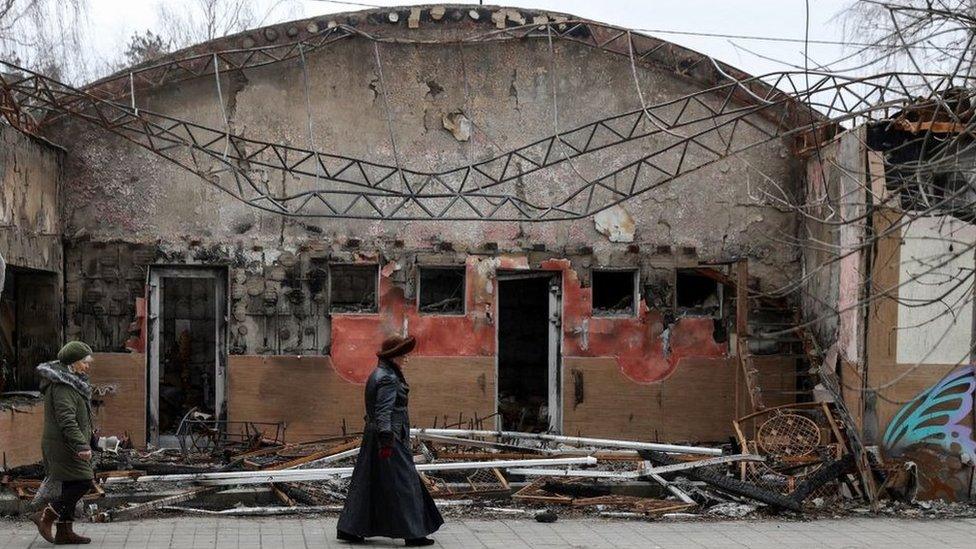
(575, 441)
(531, 472)
(650, 469)
(327, 459)
(302, 475)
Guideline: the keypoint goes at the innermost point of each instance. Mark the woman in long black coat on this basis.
(386, 497)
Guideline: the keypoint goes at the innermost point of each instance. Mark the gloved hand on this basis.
(386, 445)
(93, 441)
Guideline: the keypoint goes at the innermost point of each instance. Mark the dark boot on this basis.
(419, 542)
(66, 535)
(44, 519)
(349, 538)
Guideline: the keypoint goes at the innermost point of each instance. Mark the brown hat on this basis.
(395, 346)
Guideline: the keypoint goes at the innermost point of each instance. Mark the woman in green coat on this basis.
(66, 442)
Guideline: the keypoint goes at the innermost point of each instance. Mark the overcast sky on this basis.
(113, 21)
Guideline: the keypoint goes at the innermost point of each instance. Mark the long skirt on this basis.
(386, 496)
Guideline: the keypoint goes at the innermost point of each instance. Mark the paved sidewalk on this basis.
(295, 533)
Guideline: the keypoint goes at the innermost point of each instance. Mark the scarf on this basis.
(55, 372)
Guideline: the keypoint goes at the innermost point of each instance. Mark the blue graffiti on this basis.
(939, 416)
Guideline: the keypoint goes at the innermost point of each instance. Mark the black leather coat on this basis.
(387, 396)
(386, 496)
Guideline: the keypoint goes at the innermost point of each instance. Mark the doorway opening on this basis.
(186, 354)
(30, 326)
(528, 352)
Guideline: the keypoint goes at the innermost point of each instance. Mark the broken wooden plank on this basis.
(282, 496)
(639, 504)
(119, 474)
(730, 485)
(536, 493)
(678, 493)
(315, 456)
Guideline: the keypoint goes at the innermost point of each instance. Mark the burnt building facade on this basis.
(611, 313)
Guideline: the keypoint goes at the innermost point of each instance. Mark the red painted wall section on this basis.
(644, 351)
(138, 329)
(355, 337)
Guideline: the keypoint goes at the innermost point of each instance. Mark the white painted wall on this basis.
(944, 328)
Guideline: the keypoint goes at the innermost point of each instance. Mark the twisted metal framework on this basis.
(689, 133)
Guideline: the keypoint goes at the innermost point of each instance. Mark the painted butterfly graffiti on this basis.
(938, 416)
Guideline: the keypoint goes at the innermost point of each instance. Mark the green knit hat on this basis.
(73, 352)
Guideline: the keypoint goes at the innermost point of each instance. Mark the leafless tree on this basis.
(45, 35)
(194, 21)
(920, 35)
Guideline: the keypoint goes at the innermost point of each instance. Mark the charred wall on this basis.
(879, 305)
(715, 215)
(131, 210)
(30, 221)
(30, 243)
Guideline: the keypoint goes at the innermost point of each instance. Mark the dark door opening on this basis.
(187, 359)
(187, 367)
(527, 359)
(30, 326)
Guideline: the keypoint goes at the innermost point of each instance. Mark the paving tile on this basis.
(319, 532)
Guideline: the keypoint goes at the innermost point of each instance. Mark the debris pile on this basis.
(791, 459)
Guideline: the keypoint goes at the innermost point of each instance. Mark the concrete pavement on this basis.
(319, 532)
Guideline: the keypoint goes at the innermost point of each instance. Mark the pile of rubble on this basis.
(796, 459)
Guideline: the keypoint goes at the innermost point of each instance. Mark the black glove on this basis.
(386, 445)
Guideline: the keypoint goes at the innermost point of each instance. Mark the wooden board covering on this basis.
(20, 434)
(695, 403)
(448, 386)
(883, 366)
(123, 405)
(313, 400)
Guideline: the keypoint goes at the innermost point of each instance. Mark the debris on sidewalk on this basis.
(794, 459)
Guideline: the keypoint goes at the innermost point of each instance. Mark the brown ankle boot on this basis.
(44, 519)
(67, 537)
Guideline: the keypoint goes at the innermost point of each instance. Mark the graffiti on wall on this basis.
(940, 416)
(936, 431)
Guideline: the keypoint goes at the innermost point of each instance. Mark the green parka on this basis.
(67, 422)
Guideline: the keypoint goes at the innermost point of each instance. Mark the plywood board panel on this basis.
(915, 380)
(695, 403)
(886, 341)
(120, 384)
(449, 386)
(20, 434)
(308, 395)
(303, 391)
(883, 309)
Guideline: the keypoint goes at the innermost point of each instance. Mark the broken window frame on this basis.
(464, 289)
(691, 312)
(636, 295)
(376, 288)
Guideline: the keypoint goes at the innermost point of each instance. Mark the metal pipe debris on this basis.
(574, 441)
(303, 475)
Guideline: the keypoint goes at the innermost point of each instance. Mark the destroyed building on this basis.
(174, 223)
